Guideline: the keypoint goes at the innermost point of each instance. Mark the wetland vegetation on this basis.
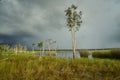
(27, 67)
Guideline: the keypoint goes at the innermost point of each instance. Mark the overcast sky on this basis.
(30, 21)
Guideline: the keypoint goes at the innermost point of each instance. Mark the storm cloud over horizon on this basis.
(36, 20)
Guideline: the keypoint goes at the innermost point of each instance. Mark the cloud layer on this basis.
(37, 20)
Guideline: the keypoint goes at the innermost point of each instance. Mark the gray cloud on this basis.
(15, 38)
(38, 20)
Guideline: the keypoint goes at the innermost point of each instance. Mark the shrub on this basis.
(115, 53)
(102, 54)
(84, 53)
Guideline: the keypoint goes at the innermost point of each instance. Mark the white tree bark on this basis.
(73, 42)
(43, 49)
(33, 49)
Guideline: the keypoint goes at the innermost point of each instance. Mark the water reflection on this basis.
(67, 54)
(63, 54)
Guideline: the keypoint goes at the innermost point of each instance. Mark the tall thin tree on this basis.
(33, 47)
(40, 45)
(49, 43)
(73, 22)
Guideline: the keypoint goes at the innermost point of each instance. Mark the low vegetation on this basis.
(26, 67)
(111, 54)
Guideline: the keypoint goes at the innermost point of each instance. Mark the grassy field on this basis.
(26, 67)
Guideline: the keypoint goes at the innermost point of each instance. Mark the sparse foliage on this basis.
(73, 22)
(33, 45)
(40, 45)
(50, 44)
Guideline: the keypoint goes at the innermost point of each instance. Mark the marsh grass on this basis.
(108, 54)
(27, 67)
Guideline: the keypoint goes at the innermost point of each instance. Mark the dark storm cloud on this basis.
(15, 38)
(24, 19)
(30, 16)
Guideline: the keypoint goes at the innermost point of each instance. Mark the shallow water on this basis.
(64, 54)
(67, 54)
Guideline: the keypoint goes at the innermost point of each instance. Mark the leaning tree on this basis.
(73, 22)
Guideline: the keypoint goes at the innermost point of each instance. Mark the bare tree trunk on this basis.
(43, 49)
(33, 49)
(16, 50)
(73, 43)
(49, 49)
(40, 51)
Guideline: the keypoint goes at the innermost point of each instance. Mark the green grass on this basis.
(25, 67)
(110, 54)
